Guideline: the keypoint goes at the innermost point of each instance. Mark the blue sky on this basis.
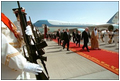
(70, 11)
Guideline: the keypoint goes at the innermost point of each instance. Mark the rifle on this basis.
(37, 36)
(39, 43)
(33, 56)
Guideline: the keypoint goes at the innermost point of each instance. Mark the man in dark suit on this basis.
(67, 38)
(86, 36)
(62, 36)
(78, 38)
(58, 36)
(74, 35)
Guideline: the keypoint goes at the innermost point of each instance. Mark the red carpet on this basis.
(105, 58)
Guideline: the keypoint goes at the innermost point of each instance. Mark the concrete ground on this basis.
(67, 65)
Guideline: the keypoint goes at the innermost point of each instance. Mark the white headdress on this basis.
(95, 31)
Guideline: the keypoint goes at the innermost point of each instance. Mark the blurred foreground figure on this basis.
(12, 61)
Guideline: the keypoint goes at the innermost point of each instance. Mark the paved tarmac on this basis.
(67, 65)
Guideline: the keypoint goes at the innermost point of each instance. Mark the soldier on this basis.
(13, 62)
(25, 75)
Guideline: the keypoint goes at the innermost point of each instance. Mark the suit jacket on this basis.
(74, 34)
(58, 34)
(67, 37)
(78, 37)
(86, 36)
(62, 33)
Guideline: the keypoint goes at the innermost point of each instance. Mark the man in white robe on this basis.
(106, 34)
(116, 37)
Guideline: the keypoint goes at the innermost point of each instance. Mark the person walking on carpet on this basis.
(66, 38)
(78, 38)
(59, 36)
(85, 37)
(94, 39)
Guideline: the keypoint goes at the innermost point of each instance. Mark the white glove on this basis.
(28, 30)
(34, 68)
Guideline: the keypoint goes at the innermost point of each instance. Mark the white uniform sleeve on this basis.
(11, 57)
(28, 30)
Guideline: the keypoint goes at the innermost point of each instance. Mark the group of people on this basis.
(109, 36)
(78, 36)
(50, 36)
(65, 38)
(94, 37)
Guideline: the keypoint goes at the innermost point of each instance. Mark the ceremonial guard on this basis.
(13, 62)
(24, 75)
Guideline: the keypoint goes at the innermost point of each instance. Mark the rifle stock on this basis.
(32, 53)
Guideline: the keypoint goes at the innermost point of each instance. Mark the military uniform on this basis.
(13, 62)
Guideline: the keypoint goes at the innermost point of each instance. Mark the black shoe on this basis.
(82, 48)
(88, 50)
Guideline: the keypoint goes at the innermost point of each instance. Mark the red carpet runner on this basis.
(105, 58)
